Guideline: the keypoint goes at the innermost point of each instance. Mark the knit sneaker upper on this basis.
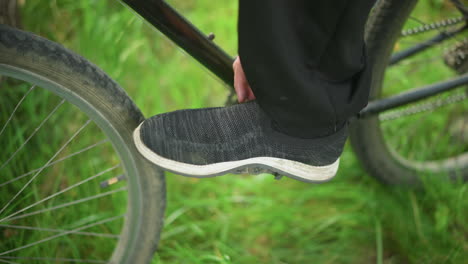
(213, 135)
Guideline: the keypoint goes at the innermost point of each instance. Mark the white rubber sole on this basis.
(289, 168)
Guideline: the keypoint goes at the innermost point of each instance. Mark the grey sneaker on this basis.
(236, 139)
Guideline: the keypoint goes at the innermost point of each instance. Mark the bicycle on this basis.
(26, 58)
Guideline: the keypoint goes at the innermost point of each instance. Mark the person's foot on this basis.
(236, 139)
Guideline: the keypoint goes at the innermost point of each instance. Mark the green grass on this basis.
(253, 219)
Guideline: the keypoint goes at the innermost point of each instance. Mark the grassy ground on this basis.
(254, 219)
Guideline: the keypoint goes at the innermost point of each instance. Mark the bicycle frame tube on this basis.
(200, 46)
(412, 95)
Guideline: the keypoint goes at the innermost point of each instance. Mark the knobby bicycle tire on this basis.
(382, 30)
(36, 60)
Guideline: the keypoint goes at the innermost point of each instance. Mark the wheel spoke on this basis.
(6, 261)
(59, 231)
(62, 191)
(48, 162)
(33, 133)
(107, 220)
(55, 259)
(16, 108)
(82, 200)
(55, 162)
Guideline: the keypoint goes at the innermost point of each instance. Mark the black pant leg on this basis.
(303, 60)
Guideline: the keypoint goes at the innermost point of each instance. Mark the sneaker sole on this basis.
(277, 166)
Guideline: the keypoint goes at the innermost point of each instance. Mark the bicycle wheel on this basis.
(428, 137)
(73, 187)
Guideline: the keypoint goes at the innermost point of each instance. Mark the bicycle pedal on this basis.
(112, 181)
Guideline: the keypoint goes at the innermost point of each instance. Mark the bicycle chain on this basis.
(424, 107)
(433, 26)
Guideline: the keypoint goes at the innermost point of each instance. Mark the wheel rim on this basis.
(85, 227)
(404, 130)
